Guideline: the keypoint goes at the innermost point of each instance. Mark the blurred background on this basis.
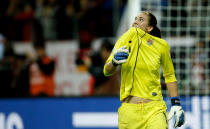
(52, 54)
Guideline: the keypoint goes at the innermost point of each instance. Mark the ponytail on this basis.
(153, 22)
(156, 32)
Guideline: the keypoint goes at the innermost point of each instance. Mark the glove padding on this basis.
(120, 56)
(178, 113)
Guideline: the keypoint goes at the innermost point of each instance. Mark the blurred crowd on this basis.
(23, 75)
(27, 20)
(38, 21)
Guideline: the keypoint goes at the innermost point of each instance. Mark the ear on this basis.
(149, 28)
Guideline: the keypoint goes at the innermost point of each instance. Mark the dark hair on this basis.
(153, 22)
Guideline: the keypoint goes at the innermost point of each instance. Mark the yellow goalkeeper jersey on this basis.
(140, 75)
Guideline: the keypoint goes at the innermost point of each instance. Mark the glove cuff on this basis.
(115, 64)
(175, 101)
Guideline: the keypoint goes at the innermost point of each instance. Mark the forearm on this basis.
(172, 88)
(109, 69)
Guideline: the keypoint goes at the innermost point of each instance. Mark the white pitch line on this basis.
(95, 119)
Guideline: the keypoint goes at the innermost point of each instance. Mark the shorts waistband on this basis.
(136, 100)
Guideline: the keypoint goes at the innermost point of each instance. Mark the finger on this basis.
(170, 115)
(122, 61)
(181, 120)
(122, 50)
(122, 54)
(121, 58)
(123, 47)
(176, 121)
(119, 61)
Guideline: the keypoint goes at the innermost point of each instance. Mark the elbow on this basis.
(170, 78)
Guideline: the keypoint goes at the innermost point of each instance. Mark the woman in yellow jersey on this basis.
(141, 52)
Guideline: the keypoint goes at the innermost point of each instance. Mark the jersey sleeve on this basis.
(167, 65)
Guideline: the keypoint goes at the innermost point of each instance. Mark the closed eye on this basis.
(141, 19)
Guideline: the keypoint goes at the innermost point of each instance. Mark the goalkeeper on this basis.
(140, 52)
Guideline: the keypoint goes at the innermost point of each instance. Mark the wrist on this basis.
(114, 64)
(175, 101)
